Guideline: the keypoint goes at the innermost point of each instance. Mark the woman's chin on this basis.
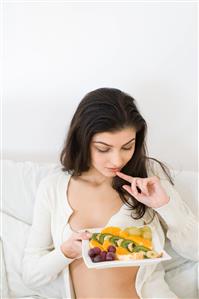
(109, 173)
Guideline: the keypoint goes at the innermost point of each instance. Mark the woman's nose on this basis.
(116, 161)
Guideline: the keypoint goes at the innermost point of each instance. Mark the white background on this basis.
(54, 53)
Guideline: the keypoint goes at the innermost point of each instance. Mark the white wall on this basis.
(57, 52)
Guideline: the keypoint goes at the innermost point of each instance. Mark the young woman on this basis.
(106, 180)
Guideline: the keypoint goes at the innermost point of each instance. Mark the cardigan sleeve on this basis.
(179, 222)
(41, 261)
(156, 287)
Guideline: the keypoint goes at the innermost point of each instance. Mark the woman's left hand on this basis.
(151, 193)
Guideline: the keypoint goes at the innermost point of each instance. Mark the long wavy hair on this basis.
(108, 110)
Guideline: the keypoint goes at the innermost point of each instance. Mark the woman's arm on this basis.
(159, 194)
(42, 263)
(180, 223)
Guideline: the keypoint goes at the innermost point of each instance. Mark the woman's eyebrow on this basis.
(112, 145)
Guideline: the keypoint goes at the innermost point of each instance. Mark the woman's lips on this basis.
(114, 169)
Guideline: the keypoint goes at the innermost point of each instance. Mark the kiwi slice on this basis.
(119, 242)
(107, 237)
(131, 246)
(125, 243)
(94, 236)
(140, 248)
(102, 238)
(114, 240)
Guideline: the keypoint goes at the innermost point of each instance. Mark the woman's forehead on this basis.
(123, 136)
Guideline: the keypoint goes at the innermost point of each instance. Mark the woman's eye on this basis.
(128, 149)
(105, 151)
(102, 151)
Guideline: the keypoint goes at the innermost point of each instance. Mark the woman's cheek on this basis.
(98, 158)
(129, 155)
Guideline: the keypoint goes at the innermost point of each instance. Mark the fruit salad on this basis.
(114, 243)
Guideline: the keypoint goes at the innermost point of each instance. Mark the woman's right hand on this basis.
(71, 248)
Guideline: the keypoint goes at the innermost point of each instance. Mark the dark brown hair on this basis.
(108, 110)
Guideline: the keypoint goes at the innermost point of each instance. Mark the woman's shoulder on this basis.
(53, 179)
(156, 168)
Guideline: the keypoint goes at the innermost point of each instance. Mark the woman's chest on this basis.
(97, 207)
(92, 207)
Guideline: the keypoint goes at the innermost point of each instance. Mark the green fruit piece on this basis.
(94, 237)
(102, 238)
(140, 248)
(119, 242)
(133, 230)
(97, 237)
(125, 243)
(147, 235)
(107, 237)
(130, 246)
(114, 240)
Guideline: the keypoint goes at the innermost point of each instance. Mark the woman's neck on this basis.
(95, 178)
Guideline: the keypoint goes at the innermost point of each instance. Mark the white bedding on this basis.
(4, 284)
(20, 182)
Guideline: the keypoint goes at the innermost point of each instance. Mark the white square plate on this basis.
(119, 263)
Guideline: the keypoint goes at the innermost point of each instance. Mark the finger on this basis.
(83, 236)
(145, 184)
(128, 189)
(134, 188)
(80, 238)
(142, 186)
(131, 189)
(86, 236)
(125, 177)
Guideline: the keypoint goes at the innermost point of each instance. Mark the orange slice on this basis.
(123, 234)
(114, 230)
(141, 241)
(121, 251)
(106, 244)
(94, 243)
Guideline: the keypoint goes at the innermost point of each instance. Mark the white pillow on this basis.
(181, 274)
(14, 235)
(4, 290)
(19, 185)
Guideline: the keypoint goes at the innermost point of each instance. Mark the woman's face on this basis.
(110, 151)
